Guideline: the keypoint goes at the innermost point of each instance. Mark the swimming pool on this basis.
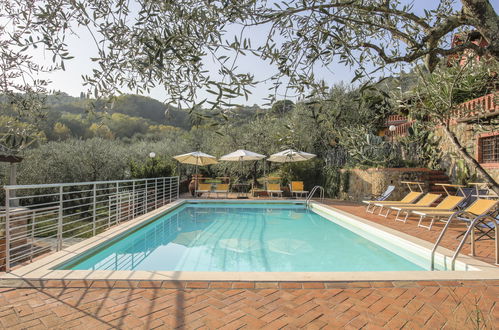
(248, 237)
(80, 261)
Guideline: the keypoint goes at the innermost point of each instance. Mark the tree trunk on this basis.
(472, 162)
(483, 17)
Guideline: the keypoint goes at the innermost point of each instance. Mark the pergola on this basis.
(10, 159)
(8, 155)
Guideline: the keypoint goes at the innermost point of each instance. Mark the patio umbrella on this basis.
(290, 155)
(242, 155)
(197, 158)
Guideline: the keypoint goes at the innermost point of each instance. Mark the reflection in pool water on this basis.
(239, 238)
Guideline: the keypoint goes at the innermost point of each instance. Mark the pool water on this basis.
(234, 237)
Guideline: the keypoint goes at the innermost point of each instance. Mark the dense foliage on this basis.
(82, 147)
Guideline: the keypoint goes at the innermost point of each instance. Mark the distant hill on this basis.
(128, 116)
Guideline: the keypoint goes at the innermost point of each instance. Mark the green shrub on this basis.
(332, 179)
(345, 181)
(151, 168)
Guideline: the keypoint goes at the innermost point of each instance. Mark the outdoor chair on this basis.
(409, 198)
(381, 197)
(468, 196)
(274, 188)
(448, 204)
(478, 208)
(203, 188)
(222, 188)
(487, 227)
(425, 201)
(296, 188)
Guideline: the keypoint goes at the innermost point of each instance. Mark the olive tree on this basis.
(435, 98)
(142, 44)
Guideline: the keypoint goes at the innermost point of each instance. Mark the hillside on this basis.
(129, 116)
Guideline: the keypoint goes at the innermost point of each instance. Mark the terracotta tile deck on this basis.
(432, 305)
(269, 305)
(485, 249)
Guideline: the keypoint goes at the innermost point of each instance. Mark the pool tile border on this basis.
(250, 285)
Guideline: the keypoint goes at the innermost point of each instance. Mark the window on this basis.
(488, 147)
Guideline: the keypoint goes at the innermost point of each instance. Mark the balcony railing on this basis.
(480, 107)
(400, 130)
(395, 120)
(38, 219)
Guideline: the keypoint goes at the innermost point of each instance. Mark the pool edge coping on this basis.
(40, 269)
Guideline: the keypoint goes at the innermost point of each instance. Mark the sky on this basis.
(82, 48)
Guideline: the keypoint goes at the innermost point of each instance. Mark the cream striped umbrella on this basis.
(197, 158)
(290, 155)
(242, 155)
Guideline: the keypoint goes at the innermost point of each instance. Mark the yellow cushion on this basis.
(297, 186)
(273, 186)
(427, 199)
(449, 202)
(204, 186)
(480, 206)
(222, 187)
(410, 197)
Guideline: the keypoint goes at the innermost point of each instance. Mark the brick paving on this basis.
(251, 305)
(394, 305)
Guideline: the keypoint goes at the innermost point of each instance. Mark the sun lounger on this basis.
(478, 208)
(409, 198)
(425, 201)
(448, 204)
(204, 188)
(296, 188)
(222, 188)
(274, 188)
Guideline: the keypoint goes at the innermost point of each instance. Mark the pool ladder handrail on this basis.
(472, 225)
(312, 192)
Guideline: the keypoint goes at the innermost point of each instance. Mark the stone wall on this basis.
(373, 181)
(468, 135)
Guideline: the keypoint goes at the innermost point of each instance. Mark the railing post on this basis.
(59, 219)
(472, 243)
(133, 199)
(170, 186)
(33, 217)
(178, 185)
(155, 193)
(94, 209)
(109, 203)
(7, 229)
(146, 198)
(164, 191)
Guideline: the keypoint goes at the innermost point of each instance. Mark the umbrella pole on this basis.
(196, 185)
(241, 164)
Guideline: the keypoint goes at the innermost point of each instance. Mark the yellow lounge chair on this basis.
(274, 188)
(204, 188)
(296, 188)
(409, 198)
(478, 208)
(222, 188)
(425, 201)
(448, 204)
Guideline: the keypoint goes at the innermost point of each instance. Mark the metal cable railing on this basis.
(43, 218)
